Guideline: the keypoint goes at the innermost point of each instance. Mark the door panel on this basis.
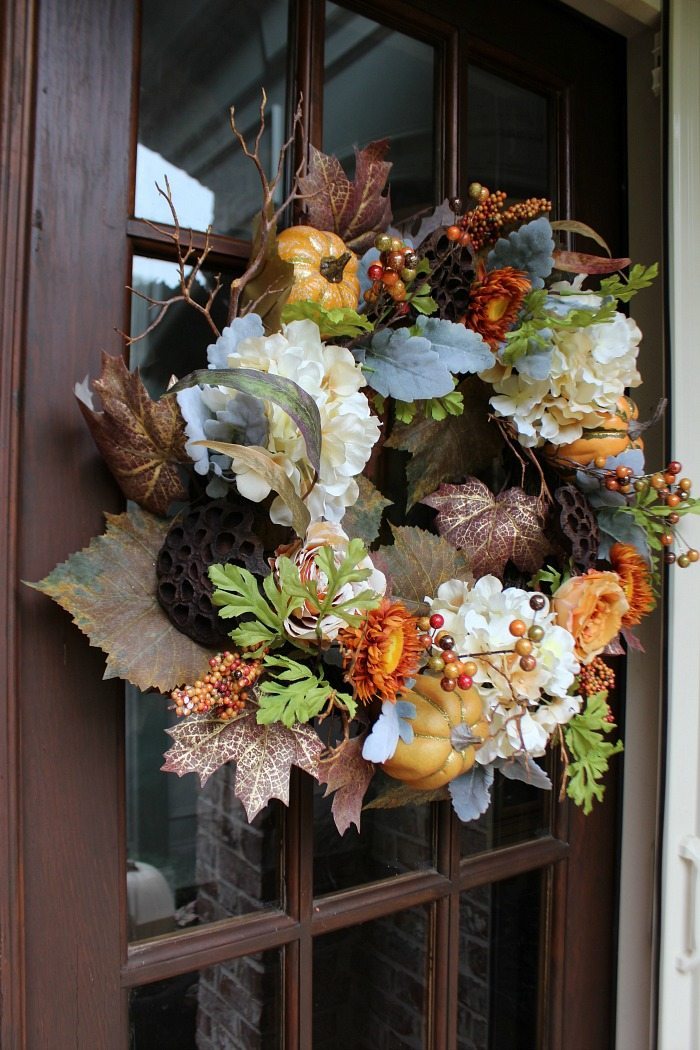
(471, 906)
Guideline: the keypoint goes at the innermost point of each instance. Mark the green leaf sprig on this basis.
(291, 692)
(590, 752)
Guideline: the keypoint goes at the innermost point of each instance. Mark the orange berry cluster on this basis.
(393, 272)
(484, 223)
(223, 690)
(459, 671)
(596, 677)
(670, 491)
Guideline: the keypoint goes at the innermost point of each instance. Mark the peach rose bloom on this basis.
(591, 608)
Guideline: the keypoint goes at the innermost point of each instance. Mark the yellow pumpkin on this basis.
(448, 730)
(611, 438)
(325, 271)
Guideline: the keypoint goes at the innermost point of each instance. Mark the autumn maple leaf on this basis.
(348, 775)
(354, 210)
(491, 530)
(141, 440)
(264, 754)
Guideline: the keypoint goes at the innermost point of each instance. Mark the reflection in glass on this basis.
(379, 84)
(197, 60)
(178, 344)
(507, 136)
(192, 855)
(233, 1005)
(370, 985)
(393, 841)
(519, 812)
(500, 941)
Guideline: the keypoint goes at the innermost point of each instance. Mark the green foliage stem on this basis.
(590, 751)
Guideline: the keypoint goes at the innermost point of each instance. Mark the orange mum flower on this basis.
(635, 577)
(380, 654)
(494, 302)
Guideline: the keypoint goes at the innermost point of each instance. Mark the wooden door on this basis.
(509, 925)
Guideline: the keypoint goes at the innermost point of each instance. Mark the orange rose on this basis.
(591, 608)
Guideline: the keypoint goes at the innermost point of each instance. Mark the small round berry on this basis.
(451, 671)
(673, 499)
(475, 189)
(683, 561)
(453, 233)
(693, 555)
(389, 278)
(674, 518)
(437, 620)
(528, 663)
(448, 684)
(658, 482)
(666, 538)
(402, 308)
(457, 205)
(612, 484)
(436, 663)
(425, 641)
(395, 260)
(398, 291)
(674, 467)
(408, 274)
(449, 656)
(600, 462)
(669, 557)
(410, 259)
(537, 602)
(446, 641)
(685, 484)
(465, 681)
(382, 242)
(424, 623)
(669, 478)
(517, 628)
(523, 647)
(640, 486)
(375, 271)
(621, 472)
(397, 245)
(470, 668)
(683, 495)
(536, 633)
(625, 489)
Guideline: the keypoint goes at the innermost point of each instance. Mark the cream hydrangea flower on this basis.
(332, 378)
(590, 369)
(523, 708)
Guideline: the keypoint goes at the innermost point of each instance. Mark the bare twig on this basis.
(187, 256)
(269, 214)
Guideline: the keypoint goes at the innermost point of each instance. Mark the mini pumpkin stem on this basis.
(332, 267)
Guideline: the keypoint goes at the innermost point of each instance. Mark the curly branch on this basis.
(187, 256)
(269, 214)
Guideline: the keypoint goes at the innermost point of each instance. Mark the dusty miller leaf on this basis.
(264, 755)
(348, 775)
(491, 530)
(364, 518)
(471, 792)
(354, 210)
(449, 448)
(110, 591)
(417, 562)
(459, 349)
(140, 440)
(398, 364)
(522, 767)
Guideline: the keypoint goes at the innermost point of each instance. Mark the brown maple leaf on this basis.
(354, 210)
(364, 518)
(109, 588)
(449, 448)
(141, 440)
(418, 562)
(491, 530)
(264, 754)
(348, 775)
(396, 794)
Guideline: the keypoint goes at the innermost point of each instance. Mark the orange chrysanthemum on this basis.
(494, 302)
(635, 578)
(380, 654)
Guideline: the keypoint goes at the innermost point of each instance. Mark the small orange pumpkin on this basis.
(325, 271)
(448, 729)
(611, 438)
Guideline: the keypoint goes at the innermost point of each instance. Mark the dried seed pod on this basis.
(579, 525)
(220, 531)
(452, 274)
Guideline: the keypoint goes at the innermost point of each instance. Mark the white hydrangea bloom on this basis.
(523, 708)
(332, 378)
(590, 369)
